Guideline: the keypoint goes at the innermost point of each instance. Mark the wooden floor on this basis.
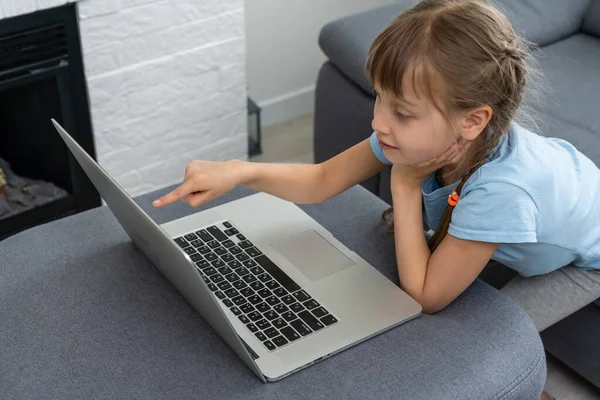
(292, 141)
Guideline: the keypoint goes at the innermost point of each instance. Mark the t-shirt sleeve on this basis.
(377, 150)
(495, 212)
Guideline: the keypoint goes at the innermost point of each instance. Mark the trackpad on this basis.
(312, 254)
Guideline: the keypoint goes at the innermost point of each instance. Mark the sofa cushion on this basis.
(591, 23)
(346, 41)
(544, 21)
(570, 68)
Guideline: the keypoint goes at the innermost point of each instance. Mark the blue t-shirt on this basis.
(538, 197)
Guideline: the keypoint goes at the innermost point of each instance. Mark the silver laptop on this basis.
(278, 287)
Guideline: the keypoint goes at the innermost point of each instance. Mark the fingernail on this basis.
(156, 203)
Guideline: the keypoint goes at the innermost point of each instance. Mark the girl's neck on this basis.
(452, 173)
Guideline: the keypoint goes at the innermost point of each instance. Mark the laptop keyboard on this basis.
(264, 298)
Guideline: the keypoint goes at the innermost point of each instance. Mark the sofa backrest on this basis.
(591, 22)
(545, 21)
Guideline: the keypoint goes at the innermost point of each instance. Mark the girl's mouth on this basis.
(386, 146)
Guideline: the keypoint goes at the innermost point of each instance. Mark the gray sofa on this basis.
(568, 35)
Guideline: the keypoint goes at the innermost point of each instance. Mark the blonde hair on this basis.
(473, 49)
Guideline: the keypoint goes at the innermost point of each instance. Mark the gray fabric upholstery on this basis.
(346, 41)
(85, 315)
(544, 21)
(591, 22)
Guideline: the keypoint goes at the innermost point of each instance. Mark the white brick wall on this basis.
(166, 83)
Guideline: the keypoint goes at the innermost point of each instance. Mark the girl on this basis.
(449, 77)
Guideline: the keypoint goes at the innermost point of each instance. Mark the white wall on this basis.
(283, 56)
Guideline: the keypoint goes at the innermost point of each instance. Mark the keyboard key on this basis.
(251, 327)
(249, 278)
(289, 316)
(245, 244)
(314, 323)
(227, 257)
(227, 224)
(232, 277)
(281, 308)
(319, 312)
(244, 319)
(217, 233)
(273, 285)
(256, 270)
(203, 264)
(246, 292)
(238, 301)
(280, 292)
(225, 270)
(212, 287)
(220, 295)
(204, 249)
(246, 308)
(220, 251)
(301, 327)
(236, 311)
(254, 316)
(227, 302)
(228, 243)
(273, 300)
(279, 323)
(301, 296)
(239, 284)
(264, 277)
(280, 341)
(231, 232)
(235, 250)
(241, 237)
(242, 271)
(197, 243)
(290, 334)
(263, 307)
(242, 256)
(190, 250)
(311, 304)
(190, 237)
(231, 293)
(196, 257)
(328, 320)
(205, 278)
(204, 235)
(270, 315)
(263, 324)
(260, 336)
(264, 293)
(277, 273)
(269, 345)
(271, 332)
(297, 307)
(234, 263)
(214, 244)
(181, 242)
(210, 256)
(253, 252)
(218, 263)
(289, 299)
(254, 299)
(224, 285)
(210, 271)
(257, 285)
(249, 263)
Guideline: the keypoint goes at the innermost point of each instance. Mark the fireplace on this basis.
(41, 77)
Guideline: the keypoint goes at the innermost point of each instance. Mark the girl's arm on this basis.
(301, 183)
(433, 280)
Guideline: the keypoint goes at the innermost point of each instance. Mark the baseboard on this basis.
(288, 106)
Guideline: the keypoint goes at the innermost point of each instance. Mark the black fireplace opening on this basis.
(41, 77)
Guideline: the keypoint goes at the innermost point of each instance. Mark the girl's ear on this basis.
(475, 122)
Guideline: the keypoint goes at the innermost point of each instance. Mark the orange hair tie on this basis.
(453, 198)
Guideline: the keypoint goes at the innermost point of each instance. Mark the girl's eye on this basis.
(401, 116)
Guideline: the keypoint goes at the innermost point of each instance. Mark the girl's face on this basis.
(410, 130)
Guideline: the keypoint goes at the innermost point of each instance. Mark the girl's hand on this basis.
(414, 175)
(204, 181)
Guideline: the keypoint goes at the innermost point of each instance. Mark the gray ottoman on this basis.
(83, 314)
